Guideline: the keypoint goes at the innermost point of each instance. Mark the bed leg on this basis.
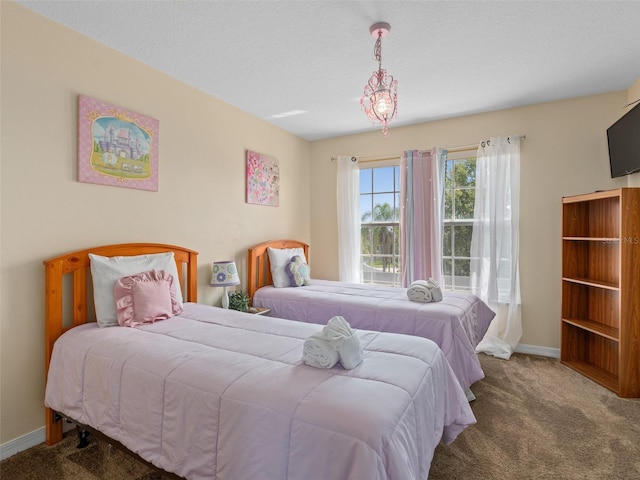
(53, 427)
(83, 438)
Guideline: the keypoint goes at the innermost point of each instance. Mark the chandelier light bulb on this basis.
(382, 107)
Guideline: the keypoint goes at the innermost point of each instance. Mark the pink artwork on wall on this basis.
(263, 177)
(116, 146)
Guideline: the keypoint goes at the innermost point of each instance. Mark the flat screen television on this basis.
(624, 144)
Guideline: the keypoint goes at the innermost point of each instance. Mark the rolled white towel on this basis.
(419, 291)
(344, 340)
(318, 352)
(436, 291)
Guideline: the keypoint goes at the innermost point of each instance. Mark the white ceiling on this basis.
(450, 58)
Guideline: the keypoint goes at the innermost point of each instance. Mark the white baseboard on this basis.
(29, 440)
(536, 350)
(22, 443)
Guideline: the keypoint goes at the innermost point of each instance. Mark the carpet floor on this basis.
(537, 419)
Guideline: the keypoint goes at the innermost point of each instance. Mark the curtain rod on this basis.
(370, 158)
(461, 148)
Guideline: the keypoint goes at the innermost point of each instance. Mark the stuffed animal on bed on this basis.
(299, 272)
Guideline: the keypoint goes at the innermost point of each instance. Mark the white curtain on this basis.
(348, 192)
(421, 193)
(495, 275)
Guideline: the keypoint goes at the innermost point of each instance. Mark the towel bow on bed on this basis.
(336, 343)
(424, 291)
(344, 340)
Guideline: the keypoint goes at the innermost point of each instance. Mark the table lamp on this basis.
(225, 274)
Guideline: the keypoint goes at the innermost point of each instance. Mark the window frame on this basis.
(451, 281)
(396, 254)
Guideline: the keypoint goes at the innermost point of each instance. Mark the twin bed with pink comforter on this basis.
(219, 394)
(457, 323)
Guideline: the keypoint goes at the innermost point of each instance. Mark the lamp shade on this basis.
(224, 274)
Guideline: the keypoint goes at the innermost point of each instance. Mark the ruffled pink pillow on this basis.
(145, 298)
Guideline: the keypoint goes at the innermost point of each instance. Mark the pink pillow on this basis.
(145, 298)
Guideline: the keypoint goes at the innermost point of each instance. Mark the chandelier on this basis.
(380, 99)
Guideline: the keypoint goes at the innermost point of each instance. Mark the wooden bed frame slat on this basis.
(80, 313)
(77, 264)
(258, 269)
(53, 329)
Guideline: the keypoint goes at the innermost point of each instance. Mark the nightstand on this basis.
(259, 311)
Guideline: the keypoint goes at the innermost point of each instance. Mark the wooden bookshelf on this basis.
(601, 288)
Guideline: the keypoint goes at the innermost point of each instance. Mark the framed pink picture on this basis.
(263, 179)
(116, 146)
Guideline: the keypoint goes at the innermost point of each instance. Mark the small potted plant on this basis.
(239, 300)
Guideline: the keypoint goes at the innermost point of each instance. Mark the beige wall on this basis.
(46, 212)
(564, 153)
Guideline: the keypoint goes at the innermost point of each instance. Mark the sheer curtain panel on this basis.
(421, 191)
(348, 193)
(495, 275)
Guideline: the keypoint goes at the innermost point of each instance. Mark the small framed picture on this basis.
(263, 179)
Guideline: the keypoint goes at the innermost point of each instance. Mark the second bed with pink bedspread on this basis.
(456, 324)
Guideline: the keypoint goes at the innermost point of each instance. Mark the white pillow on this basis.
(106, 271)
(278, 259)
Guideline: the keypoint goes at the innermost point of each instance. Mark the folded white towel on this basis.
(436, 291)
(318, 352)
(424, 291)
(419, 291)
(344, 340)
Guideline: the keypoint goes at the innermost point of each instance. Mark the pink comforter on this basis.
(218, 394)
(456, 324)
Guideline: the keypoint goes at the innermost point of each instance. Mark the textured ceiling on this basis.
(450, 58)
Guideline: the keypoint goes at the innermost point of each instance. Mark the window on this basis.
(380, 261)
(459, 200)
(380, 225)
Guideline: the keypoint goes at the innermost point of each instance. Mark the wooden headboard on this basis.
(259, 273)
(76, 268)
